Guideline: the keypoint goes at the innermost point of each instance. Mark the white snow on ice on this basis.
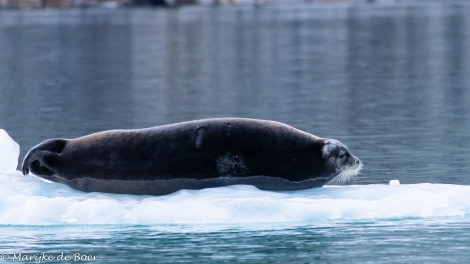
(30, 200)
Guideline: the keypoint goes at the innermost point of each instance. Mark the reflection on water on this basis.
(390, 82)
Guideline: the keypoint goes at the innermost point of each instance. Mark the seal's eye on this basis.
(342, 156)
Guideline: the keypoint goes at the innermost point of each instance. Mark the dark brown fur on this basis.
(195, 154)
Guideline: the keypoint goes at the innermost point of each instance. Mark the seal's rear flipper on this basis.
(41, 159)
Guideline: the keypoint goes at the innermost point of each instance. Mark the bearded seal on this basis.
(193, 155)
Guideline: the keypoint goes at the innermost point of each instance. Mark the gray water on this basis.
(389, 81)
(350, 243)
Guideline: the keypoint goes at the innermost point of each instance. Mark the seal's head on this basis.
(338, 157)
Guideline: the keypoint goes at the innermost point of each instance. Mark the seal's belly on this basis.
(163, 187)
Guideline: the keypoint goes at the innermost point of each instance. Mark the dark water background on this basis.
(390, 81)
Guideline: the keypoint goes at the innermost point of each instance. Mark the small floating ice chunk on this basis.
(394, 182)
(9, 152)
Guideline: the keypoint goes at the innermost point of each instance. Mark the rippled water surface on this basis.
(389, 81)
(387, 242)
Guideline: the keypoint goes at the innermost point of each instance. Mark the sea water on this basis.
(389, 80)
(43, 221)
